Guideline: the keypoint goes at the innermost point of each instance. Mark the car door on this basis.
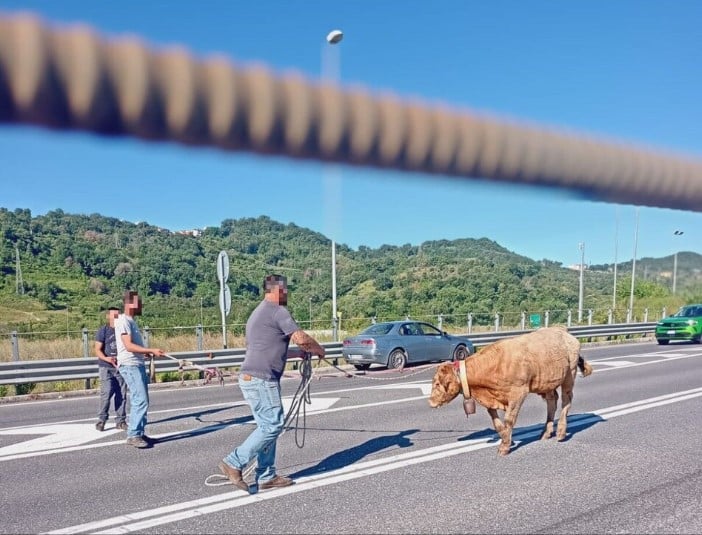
(436, 345)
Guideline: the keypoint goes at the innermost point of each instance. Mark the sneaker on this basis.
(100, 426)
(123, 426)
(234, 475)
(277, 481)
(137, 442)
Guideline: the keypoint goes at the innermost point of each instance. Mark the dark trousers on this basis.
(112, 385)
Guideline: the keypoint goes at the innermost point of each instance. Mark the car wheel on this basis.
(362, 367)
(460, 353)
(397, 359)
(697, 339)
(663, 342)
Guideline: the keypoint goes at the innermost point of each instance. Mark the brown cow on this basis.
(500, 376)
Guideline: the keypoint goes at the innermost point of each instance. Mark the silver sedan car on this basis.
(397, 343)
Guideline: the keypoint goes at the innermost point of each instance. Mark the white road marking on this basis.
(615, 363)
(55, 437)
(143, 520)
(64, 437)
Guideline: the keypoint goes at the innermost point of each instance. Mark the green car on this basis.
(685, 324)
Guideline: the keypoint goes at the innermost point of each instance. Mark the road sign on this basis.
(535, 320)
(225, 300)
(223, 267)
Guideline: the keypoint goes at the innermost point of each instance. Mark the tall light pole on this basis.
(581, 245)
(633, 268)
(675, 261)
(616, 246)
(331, 71)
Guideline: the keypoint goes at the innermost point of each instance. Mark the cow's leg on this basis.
(551, 403)
(566, 401)
(510, 419)
(496, 422)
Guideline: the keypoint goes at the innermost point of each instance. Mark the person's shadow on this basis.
(521, 436)
(215, 426)
(349, 456)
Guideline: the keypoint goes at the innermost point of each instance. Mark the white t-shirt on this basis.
(126, 325)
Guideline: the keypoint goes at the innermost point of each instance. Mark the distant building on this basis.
(194, 232)
(576, 267)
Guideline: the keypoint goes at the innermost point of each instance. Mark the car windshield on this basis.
(689, 312)
(378, 328)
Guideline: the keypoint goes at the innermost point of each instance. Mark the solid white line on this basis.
(143, 520)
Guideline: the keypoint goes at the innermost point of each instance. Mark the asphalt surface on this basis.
(375, 458)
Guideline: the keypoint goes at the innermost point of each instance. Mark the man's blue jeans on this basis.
(267, 408)
(138, 384)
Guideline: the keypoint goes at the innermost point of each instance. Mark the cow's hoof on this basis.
(502, 451)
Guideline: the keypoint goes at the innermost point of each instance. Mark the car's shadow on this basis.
(521, 436)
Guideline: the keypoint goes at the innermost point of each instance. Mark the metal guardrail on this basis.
(40, 371)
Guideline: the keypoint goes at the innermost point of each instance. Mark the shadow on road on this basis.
(532, 433)
(351, 455)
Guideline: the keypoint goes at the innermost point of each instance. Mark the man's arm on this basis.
(101, 354)
(136, 348)
(303, 340)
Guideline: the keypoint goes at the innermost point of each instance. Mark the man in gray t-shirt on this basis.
(269, 331)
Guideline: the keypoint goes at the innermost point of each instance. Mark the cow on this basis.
(502, 374)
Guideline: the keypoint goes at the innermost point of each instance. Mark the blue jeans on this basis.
(267, 408)
(138, 384)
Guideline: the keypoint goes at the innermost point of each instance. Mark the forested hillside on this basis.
(59, 269)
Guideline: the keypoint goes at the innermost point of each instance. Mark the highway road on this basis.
(371, 456)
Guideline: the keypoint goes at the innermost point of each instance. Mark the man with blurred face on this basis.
(269, 331)
(130, 360)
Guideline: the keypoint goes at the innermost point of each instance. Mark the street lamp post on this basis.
(633, 269)
(616, 246)
(331, 72)
(310, 312)
(675, 261)
(581, 245)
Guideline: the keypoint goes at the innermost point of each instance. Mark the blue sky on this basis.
(625, 70)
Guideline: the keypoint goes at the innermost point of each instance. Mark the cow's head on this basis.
(445, 386)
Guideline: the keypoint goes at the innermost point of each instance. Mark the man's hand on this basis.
(156, 352)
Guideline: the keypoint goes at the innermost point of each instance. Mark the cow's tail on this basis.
(584, 367)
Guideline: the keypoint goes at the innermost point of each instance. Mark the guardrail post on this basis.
(147, 336)
(14, 341)
(470, 323)
(86, 352)
(589, 316)
(609, 316)
(440, 320)
(646, 315)
(546, 318)
(523, 320)
(570, 317)
(198, 334)
(497, 321)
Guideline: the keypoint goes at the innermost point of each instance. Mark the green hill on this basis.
(59, 270)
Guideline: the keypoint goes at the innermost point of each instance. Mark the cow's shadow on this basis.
(349, 456)
(521, 436)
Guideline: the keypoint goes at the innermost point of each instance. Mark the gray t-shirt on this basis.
(268, 332)
(126, 325)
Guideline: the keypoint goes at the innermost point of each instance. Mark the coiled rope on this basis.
(75, 79)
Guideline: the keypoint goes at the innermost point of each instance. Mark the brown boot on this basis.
(234, 476)
(276, 482)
